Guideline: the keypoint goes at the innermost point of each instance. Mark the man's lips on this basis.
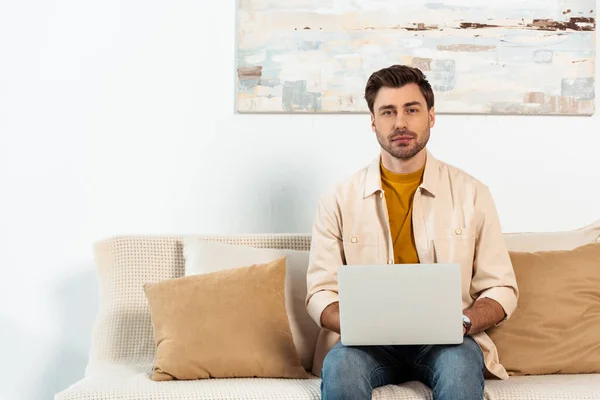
(402, 138)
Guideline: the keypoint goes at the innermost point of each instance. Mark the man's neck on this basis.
(403, 166)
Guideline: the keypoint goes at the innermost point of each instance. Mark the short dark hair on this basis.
(397, 76)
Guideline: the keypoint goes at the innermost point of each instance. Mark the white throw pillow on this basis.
(205, 256)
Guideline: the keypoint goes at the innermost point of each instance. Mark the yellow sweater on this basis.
(399, 192)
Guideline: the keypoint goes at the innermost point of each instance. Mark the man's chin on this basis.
(406, 154)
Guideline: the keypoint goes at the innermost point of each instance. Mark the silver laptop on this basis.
(400, 304)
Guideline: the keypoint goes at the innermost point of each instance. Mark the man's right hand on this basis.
(330, 318)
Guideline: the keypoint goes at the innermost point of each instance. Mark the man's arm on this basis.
(330, 318)
(326, 255)
(493, 284)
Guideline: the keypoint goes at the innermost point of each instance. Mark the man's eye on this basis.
(412, 110)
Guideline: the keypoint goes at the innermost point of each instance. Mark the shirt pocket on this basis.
(455, 245)
(361, 248)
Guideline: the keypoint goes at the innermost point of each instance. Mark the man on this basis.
(408, 207)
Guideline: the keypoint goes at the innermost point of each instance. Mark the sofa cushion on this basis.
(133, 383)
(125, 383)
(556, 327)
(205, 256)
(545, 387)
(561, 240)
(225, 324)
(130, 383)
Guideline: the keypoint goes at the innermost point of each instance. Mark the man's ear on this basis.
(373, 122)
(431, 117)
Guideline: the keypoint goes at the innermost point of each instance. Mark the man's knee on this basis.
(342, 361)
(459, 372)
(347, 370)
(466, 358)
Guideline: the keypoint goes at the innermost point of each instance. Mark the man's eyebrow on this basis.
(387, 107)
(412, 103)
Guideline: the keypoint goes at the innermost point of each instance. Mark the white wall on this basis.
(118, 117)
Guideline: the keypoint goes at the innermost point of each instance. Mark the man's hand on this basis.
(330, 318)
(484, 314)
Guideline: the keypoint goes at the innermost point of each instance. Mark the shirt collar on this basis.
(430, 176)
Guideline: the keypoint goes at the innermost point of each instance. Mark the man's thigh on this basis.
(377, 365)
(444, 366)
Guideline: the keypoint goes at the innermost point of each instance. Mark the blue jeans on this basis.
(453, 372)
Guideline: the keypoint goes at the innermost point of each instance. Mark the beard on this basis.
(400, 150)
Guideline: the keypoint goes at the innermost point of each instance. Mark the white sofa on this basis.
(123, 348)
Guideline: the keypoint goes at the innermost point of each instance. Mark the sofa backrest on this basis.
(543, 241)
(123, 333)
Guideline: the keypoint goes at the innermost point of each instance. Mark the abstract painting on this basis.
(500, 57)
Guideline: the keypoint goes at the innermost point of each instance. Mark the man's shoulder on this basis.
(458, 176)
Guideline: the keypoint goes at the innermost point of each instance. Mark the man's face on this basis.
(401, 120)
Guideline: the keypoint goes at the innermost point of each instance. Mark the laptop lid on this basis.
(400, 304)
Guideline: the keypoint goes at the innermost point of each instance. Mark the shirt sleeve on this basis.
(326, 255)
(493, 273)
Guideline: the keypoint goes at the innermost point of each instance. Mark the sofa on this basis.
(123, 347)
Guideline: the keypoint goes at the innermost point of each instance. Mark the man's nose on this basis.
(400, 121)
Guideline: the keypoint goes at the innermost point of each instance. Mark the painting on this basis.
(501, 57)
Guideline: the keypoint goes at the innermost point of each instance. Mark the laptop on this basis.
(400, 304)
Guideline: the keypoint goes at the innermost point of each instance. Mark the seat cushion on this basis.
(133, 383)
(124, 382)
(545, 387)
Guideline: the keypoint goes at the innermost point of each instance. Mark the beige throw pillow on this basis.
(227, 324)
(556, 326)
(204, 256)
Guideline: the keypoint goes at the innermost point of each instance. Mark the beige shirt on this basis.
(455, 221)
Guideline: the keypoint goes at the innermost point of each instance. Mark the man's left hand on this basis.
(484, 314)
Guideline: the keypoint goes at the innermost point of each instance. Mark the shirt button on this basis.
(458, 231)
(381, 194)
(354, 239)
(390, 261)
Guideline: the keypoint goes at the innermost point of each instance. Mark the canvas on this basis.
(508, 57)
